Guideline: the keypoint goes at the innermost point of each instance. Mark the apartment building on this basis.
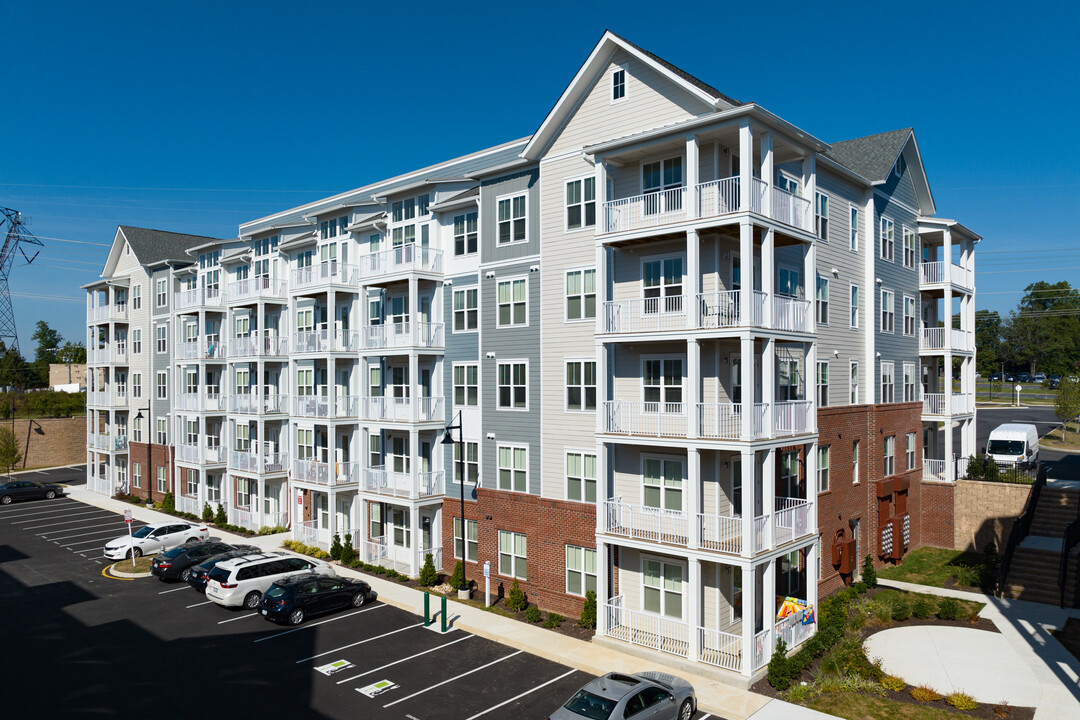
(700, 361)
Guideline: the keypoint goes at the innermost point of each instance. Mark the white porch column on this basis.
(746, 172)
(768, 492)
(693, 167)
(809, 171)
(813, 565)
(602, 385)
(767, 174)
(257, 512)
(749, 478)
(811, 485)
(331, 513)
(768, 384)
(692, 288)
(600, 173)
(603, 580)
(749, 617)
(415, 542)
(868, 301)
(693, 386)
(746, 272)
(768, 274)
(693, 498)
(950, 464)
(414, 464)
(769, 601)
(694, 609)
(749, 383)
(811, 385)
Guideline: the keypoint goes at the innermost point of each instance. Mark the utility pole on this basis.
(17, 235)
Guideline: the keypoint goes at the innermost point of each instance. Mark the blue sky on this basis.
(196, 117)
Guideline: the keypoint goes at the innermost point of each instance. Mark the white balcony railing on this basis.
(794, 629)
(404, 258)
(325, 273)
(792, 314)
(623, 417)
(252, 404)
(324, 340)
(403, 484)
(311, 406)
(264, 463)
(645, 315)
(718, 197)
(398, 409)
(793, 417)
(188, 504)
(640, 522)
(639, 628)
(117, 312)
(200, 350)
(711, 311)
(645, 211)
(935, 404)
(198, 297)
(259, 346)
(326, 473)
(940, 338)
(404, 559)
(791, 520)
(200, 453)
(722, 421)
(791, 209)
(936, 470)
(309, 533)
(721, 533)
(199, 402)
(722, 649)
(253, 288)
(403, 335)
(936, 273)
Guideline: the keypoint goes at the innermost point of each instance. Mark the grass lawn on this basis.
(142, 564)
(857, 706)
(931, 566)
(889, 597)
(1070, 441)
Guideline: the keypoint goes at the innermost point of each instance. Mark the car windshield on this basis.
(1006, 447)
(143, 531)
(591, 706)
(219, 574)
(276, 591)
(175, 552)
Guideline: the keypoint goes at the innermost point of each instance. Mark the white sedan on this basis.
(155, 538)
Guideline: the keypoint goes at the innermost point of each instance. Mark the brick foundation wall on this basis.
(985, 512)
(50, 441)
(143, 453)
(549, 526)
(939, 504)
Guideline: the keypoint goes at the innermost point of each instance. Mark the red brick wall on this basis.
(143, 453)
(937, 516)
(549, 526)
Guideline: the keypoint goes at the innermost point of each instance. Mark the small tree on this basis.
(780, 667)
(207, 513)
(458, 576)
(168, 503)
(1067, 404)
(335, 547)
(516, 599)
(348, 552)
(9, 450)
(220, 518)
(428, 575)
(588, 611)
(869, 574)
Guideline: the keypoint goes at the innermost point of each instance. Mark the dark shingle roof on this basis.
(703, 86)
(871, 156)
(154, 246)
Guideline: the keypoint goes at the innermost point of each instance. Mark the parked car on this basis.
(1014, 443)
(28, 490)
(1024, 377)
(155, 538)
(241, 582)
(617, 695)
(1038, 377)
(197, 578)
(996, 377)
(1053, 382)
(294, 598)
(176, 564)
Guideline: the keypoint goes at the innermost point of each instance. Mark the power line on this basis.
(999, 272)
(122, 187)
(74, 242)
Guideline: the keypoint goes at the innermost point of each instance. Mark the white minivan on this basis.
(1014, 443)
(242, 581)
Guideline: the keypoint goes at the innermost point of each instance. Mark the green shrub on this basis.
(881, 611)
(272, 530)
(207, 513)
(860, 587)
(780, 668)
(857, 621)
(532, 614)
(922, 608)
(588, 611)
(925, 693)
(458, 576)
(891, 682)
(553, 621)
(800, 694)
(428, 574)
(348, 552)
(961, 701)
(991, 473)
(168, 503)
(220, 518)
(967, 575)
(901, 610)
(869, 574)
(335, 547)
(949, 609)
(516, 599)
(991, 563)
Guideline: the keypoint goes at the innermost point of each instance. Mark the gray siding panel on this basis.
(895, 346)
(490, 250)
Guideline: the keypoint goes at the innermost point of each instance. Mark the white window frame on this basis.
(583, 478)
(466, 385)
(911, 391)
(136, 297)
(466, 234)
(855, 462)
(854, 302)
(136, 341)
(162, 435)
(161, 292)
(821, 219)
(913, 251)
(888, 311)
(889, 456)
(472, 462)
(662, 485)
(582, 387)
(665, 562)
(511, 197)
(888, 238)
(161, 385)
(911, 320)
(162, 479)
(662, 304)
(136, 475)
(582, 296)
(512, 554)
(821, 306)
(618, 82)
(853, 228)
(582, 203)
(136, 385)
(161, 338)
(822, 387)
(664, 401)
(888, 370)
(512, 303)
(909, 448)
(577, 563)
(512, 469)
(823, 453)
(853, 382)
(471, 547)
(498, 386)
(466, 310)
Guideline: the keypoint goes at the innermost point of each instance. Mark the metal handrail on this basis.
(1071, 539)
(1020, 529)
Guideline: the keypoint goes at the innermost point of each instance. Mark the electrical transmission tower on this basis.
(16, 236)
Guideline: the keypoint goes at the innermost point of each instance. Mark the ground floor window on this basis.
(470, 539)
(136, 475)
(399, 518)
(663, 588)
(243, 492)
(213, 488)
(162, 479)
(191, 488)
(580, 570)
(512, 554)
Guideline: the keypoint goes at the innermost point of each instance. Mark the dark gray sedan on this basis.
(645, 696)
(28, 490)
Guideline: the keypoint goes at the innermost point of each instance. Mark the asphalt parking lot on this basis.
(87, 644)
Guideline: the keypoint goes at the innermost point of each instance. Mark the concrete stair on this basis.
(1033, 574)
(1056, 509)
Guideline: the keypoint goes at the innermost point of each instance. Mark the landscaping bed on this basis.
(939, 567)
(211, 518)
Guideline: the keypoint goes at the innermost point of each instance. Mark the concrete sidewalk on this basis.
(714, 696)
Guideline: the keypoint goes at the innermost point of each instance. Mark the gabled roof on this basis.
(597, 60)
(152, 247)
(872, 156)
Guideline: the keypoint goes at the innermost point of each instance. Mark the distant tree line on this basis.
(49, 348)
(1041, 335)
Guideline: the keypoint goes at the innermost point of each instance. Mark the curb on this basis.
(111, 569)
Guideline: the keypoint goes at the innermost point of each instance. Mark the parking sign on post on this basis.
(127, 517)
(131, 540)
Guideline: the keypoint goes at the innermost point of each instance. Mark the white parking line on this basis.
(103, 533)
(14, 507)
(518, 697)
(706, 716)
(113, 525)
(65, 522)
(456, 677)
(94, 511)
(346, 647)
(323, 622)
(237, 618)
(28, 511)
(396, 662)
(198, 604)
(81, 542)
(165, 592)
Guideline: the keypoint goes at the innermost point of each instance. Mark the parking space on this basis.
(74, 526)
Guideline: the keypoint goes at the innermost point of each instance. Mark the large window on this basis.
(888, 239)
(512, 219)
(789, 473)
(161, 294)
(580, 570)
(662, 380)
(580, 294)
(821, 215)
(910, 451)
(910, 247)
(890, 456)
(823, 468)
(162, 479)
(136, 297)
(162, 386)
(888, 382)
(472, 462)
(161, 338)
(853, 229)
(513, 552)
(854, 320)
(580, 203)
(909, 383)
(662, 591)
(658, 177)
(513, 302)
(888, 312)
(136, 475)
(471, 544)
(581, 385)
(513, 468)
(855, 462)
(581, 477)
(162, 431)
(136, 385)
(909, 316)
(662, 483)
(822, 300)
(465, 310)
(788, 380)
(662, 285)
(466, 385)
(465, 234)
(513, 386)
(823, 383)
(136, 341)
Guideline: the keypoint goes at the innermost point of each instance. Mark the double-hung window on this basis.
(136, 297)
(888, 382)
(512, 222)
(663, 285)
(821, 215)
(853, 230)
(580, 203)
(823, 383)
(909, 382)
(662, 591)
(512, 302)
(136, 341)
(162, 385)
(465, 234)
(822, 300)
(513, 386)
(890, 456)
(472, 462)
(662, 483)
(823, 468)
(581, 477)
(910, 451)
(581, 385)
(580, 294)
(471, 543)
(580, 570)
(136, 385)
(910, 247)
(789, 473)
(513, 468)
(161, 292)
(618, 84)
(513, 551)
(136, 475)
(466, 385)
(853, 381)
(888, 239)
(161, 338)
(888, 312)
(909, 316)
(162, 431)
(854, 321)
(466, 317)
(661, 184)
(662, 384)
(855, 462)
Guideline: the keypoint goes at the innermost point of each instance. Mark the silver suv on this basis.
(242, 581)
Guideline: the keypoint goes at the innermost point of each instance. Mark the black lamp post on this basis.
(149, 455)
(448, 439)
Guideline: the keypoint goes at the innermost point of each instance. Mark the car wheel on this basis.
(135, 552)
(686, 711)
(185, 574)
(251, 601)
(296, 616)
(191, 540)
(6, 500)
(359, 599)
(50, 494)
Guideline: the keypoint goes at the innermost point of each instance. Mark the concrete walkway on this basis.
(714, 696)
(1026, 627)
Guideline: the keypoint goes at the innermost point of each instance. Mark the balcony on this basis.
(403, 336)
(406, 560)
(326, 407)
(309, 533)
(323, 275)
(107, 398)
(790, 521)
(712, 311)
(108, 313)
(194, 298)
(250, 289)
(326, 473)
(413, 485)
(936, 273)
(199, 402)
(935, 404)
(401, 259)
(188, 504)
(117, 353)
(707, 200)
(259, 346)
(940, 339)
(398, 409)
(200, 350)
(251, 404)
(259, 463)
(325, 340)
(716, 421)
(202, 453)
(106, 442)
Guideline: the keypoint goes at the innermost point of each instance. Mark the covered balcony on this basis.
(112, 312)
(402, 409)
(324, 274)
(207, 401)
(945, 404)
(208, 452)
(269, 463)
(259, 346)
(199, 297)
(941, 273)
(204, 349)
(406, 560)
(715, 421)
(402, 259)
(412, 485)
(403, 336)
(255, 404)
(709, 311)
(326, 340)
(255, 288)
(940, 339)
(326, 473)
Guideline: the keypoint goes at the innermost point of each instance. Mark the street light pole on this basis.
(149, 453)
(448, 439)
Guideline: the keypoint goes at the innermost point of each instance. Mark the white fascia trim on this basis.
(313, 217)
(953, 225)
(521, 162)
(344, 197)
(455, 204)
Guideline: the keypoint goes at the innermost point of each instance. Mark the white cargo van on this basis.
(1014, 443)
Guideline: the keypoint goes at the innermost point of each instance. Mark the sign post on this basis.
(131, 540)
(487, 584)
(1017, 388)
